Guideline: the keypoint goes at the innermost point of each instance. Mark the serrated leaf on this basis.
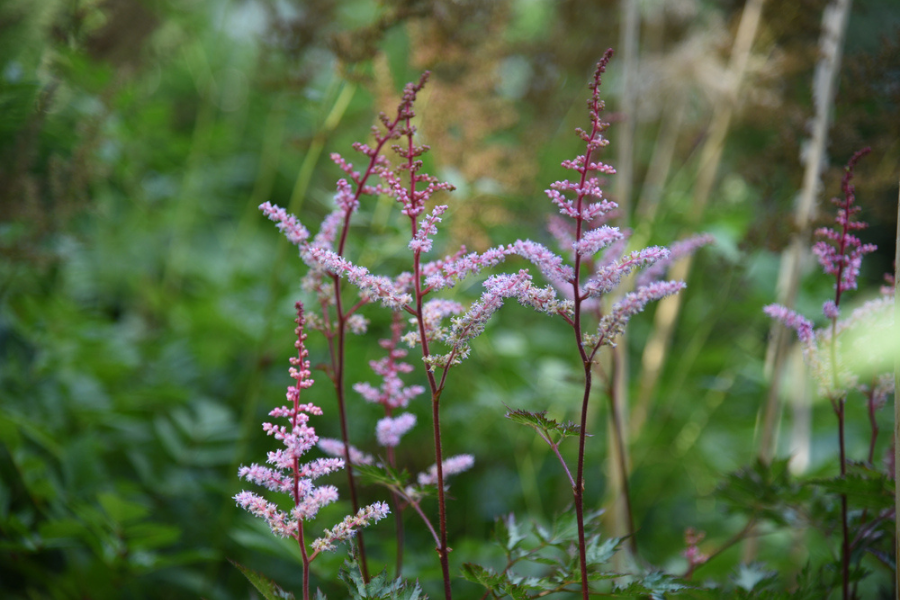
(655, 585)
(478, 574)
(751, 577)
(864, 487)
(509, 533)
(540, 422)
(380, 587)
(265, 586)
(598, 553)
(762, 491)
(382, 474)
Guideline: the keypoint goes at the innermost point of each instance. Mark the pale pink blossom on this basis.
(287, 224)
(370, 286)
(348, 527)
(608, 278)
(334, 447)
(427, 227)
(597, 239)
(550, 265)
(329, 230)
(677, 250)
(450, 466)
(789, 318)
(389, 430)
(613, 324)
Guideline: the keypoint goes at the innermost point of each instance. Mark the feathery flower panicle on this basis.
(795, 321)
(350, 525)
(376, 287)
(550, 265)
(613, 324)
(840, 255)
(449, 466)
(609, 277)
(392, 393)
(678, 250)
(287, 474)
(841, 252)
(389, 430)
(287, 224)
(421, 242)
(333, 447)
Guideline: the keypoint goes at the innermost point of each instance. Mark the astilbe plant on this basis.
(840, 253)
(288, 475)
(599, 268)
(406, 292)
(392, 395)
(576, 293)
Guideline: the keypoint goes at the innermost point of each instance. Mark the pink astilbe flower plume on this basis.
(286, 474)
(841, 252)
(840, 255)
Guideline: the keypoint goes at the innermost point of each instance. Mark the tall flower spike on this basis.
(840, 252)
(286, 474)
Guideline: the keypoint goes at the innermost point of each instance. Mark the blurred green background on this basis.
(146, 305)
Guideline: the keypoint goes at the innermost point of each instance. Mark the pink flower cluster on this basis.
(841, 252)
(840, 255)
(350, 525)
(613, 324)
(449, 466)
(692, 553)
(392, 393)
(286, 474)
(497, 289)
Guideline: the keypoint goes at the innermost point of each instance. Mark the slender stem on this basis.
(578, 489)
(306, 560)
(338, 349)
(896, 450)
(342, 411)
(740, 535)
(395, 499)
(623, 462)
(436, 389)
(845, 530)
(873, 423)
(555, 448)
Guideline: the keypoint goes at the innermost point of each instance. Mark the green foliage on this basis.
(265, 586)
(549, 550)
(544, 426)
(145, 318)
(380, 587)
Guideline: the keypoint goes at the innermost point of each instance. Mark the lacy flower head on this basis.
(840, 254)
(286, 474)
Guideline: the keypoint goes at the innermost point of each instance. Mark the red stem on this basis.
(338, 351)
(436, 389)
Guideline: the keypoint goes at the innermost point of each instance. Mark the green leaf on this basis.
(380, 587)
(263, 585)
(382, 474)
(508, 532)
(598, 553)
(499, 583)
(753, 576)
(763, 491)
(540, 422)
(655, 585)
(120, 510)
(863, 486)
